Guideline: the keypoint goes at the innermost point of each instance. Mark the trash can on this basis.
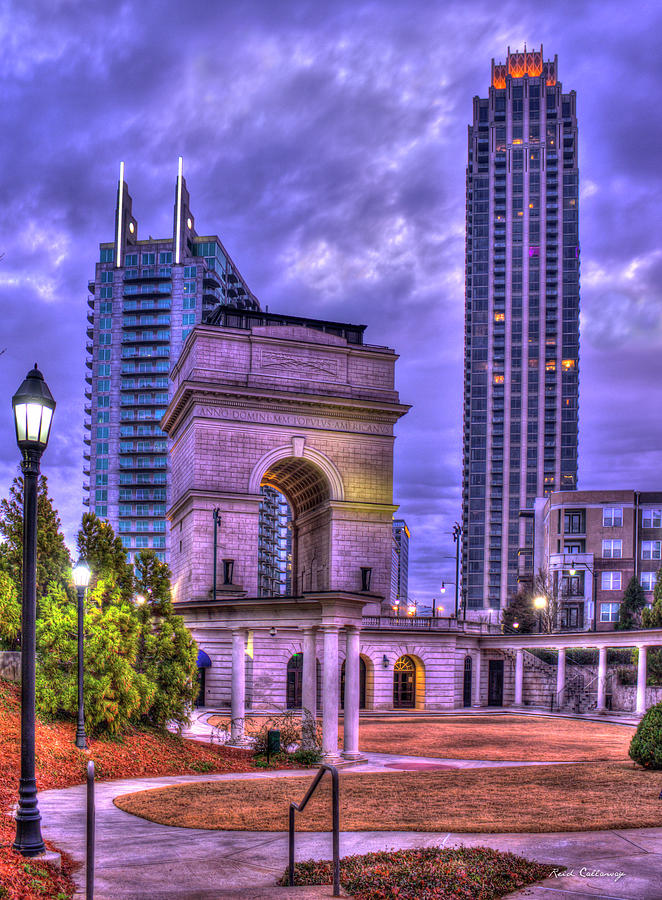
(273, 742)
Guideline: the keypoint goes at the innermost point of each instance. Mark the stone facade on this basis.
(305, 412)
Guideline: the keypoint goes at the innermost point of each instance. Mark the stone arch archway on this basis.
(409, 682)
(298, 409)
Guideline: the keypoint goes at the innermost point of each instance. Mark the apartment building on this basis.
(590, 544)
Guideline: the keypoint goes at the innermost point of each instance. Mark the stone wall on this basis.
(10, 665)
(624, 696)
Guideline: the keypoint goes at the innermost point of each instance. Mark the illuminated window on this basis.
(499, 317)
(568, 364)
(550, 365)
(498, 379)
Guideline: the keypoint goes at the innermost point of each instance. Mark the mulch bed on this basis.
(432, 873)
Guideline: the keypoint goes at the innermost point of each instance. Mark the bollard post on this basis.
(89, 853)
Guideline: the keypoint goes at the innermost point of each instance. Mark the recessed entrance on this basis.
(295, 682)
(362, 682)
(466, 692)
(495, 683)
(404, 683)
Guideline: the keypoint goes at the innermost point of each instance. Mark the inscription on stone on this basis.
(262, 417)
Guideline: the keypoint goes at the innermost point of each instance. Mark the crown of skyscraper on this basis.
(530, 63)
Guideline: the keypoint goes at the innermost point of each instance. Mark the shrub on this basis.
(307, 757)
(626, 675)
(646, 745)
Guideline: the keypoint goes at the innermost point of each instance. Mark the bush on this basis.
(646, 745)
(306, 757)
(626, 675)
(289, 725)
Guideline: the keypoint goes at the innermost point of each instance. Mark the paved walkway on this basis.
(140, 859)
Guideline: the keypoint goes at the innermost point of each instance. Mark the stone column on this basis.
(519, 675)
(238, 687)
(560, 676)
(476, 697)
(309, 688)
(352, 694)
(330, 695)
(602, 680)
(640, 707)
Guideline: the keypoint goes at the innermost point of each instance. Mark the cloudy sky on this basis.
(325, 142)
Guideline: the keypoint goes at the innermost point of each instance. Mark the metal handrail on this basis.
(335, 803)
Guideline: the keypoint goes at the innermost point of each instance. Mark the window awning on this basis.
(203, 660)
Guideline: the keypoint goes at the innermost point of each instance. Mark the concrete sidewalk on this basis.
(140, 859)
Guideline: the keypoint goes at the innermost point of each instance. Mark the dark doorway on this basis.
(404, 683)
(200, 699)
(362, 680)
(466, 694)
(495, 683)
(295, 682)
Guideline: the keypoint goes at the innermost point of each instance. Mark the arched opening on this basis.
(274, 548)
(466, 688)
(294, 692)
(204, 663)
(304, 541)
(404, 683)
(363, 674)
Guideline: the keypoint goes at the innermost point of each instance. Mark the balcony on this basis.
(89, 347)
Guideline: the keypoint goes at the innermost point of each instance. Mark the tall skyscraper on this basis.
(522, 317)
(145, 298)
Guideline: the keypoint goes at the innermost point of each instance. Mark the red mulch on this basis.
(61, 764)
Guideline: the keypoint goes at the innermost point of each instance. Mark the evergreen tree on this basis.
(53, 560)
(105, 554)
(167, 654)
(10, 614)
(115, 694)
(634, 600)
(520, 609)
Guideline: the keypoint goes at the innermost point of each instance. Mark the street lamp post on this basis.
(81, 578)
(33, 407)
(457, 534)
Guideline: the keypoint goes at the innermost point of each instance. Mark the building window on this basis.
(101, 511)
(573, 521)
(648, 581)
(609, 612)
(651, 549)
(148, 259)
(611, 581)
(651, 518)
(107, 255)
(612, 549)
(165, 258)
(612, 516)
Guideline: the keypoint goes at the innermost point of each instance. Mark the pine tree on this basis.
(629, 613)
(168, 655)
(53, 560)
(10, 614)
(105, 554)
(115, 694)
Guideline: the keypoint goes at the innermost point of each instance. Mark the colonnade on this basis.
(330, 689)
(601, 704)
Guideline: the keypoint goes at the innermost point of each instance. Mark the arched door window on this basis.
(404, 683)
(362, 680)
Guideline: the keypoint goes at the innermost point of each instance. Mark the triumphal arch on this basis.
(310, 413)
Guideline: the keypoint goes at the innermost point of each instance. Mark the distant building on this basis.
(400, 563)
(521, 315)
(274, 559)
(591, 543)
(145, 298)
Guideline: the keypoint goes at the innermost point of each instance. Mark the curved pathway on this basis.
(141, 859)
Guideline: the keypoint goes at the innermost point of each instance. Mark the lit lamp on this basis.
(384, 661)
(81, 578)
(540, 603)
(33, 407)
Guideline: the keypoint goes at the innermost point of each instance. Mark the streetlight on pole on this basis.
(457, 534)
(33, 407)
(81, 578)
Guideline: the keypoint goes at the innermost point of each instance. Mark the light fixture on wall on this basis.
(228, 571)
(366, 577)
(272, 631)
(385, 661)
